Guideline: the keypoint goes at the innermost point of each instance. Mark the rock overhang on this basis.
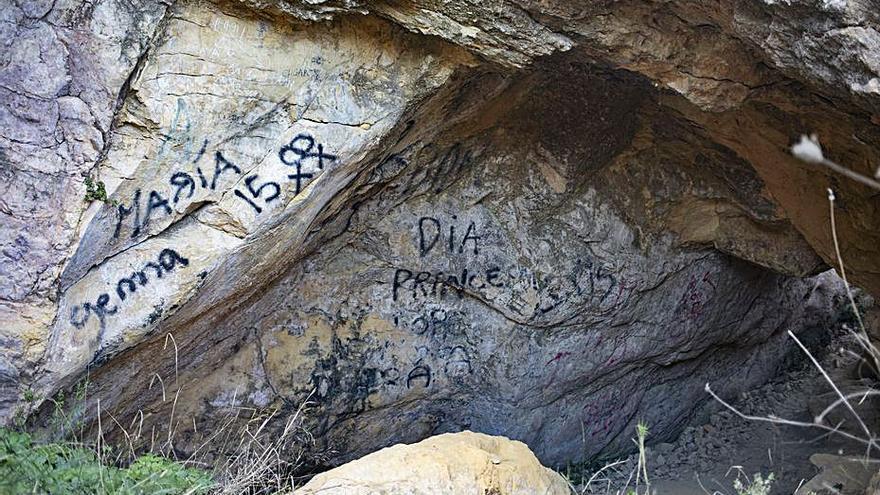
(348, 161)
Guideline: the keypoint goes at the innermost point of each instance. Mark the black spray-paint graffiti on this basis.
(184, 187)
(458, 362)
(431, 232)
(445, 170)
(302, 149)
(167, 261)
(605, 290)
(296, 148)
(454, 362)
(587, 281)
(438, 284)
(420, 374)
(435, 323)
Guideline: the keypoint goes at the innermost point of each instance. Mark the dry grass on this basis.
(637, 482)
(262, 461)
(245, 454)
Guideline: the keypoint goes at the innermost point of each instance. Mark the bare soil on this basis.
(708, 457)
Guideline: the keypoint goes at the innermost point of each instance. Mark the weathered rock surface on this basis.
(463, 462)
(220, 140)
(542, 220)
(492, 286)
(62, 69)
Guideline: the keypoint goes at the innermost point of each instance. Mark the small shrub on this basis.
(20, 417)
(758, 485)
(29, 467)
(96, 191)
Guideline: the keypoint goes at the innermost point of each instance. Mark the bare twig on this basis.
(607, 466)
(852, 175)
(821, 417)
(809, 150)
(862, 337)
(834, 386)
(150, 387)
(782, 421)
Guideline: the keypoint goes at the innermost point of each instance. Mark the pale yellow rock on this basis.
(453, 463)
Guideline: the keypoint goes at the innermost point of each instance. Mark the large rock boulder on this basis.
(543, 220)
(463, 462)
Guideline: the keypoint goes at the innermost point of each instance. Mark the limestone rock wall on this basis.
(536, 220)
(491, 284)
(64, 66)
(220, 140)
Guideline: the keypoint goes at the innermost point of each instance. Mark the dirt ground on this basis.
(707, 458)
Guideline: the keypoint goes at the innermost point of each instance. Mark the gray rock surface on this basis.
(63, 68)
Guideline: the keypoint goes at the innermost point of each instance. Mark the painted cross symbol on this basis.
(302, 146)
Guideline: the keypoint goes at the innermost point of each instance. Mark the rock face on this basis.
(541, 220)
(64, 67)
(463, 462)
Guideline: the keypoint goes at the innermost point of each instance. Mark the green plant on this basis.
(81, 389)
(58, 415)
(29, 395)
(19, 418)
(758, 485)
(96, 191)
(30, 467)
